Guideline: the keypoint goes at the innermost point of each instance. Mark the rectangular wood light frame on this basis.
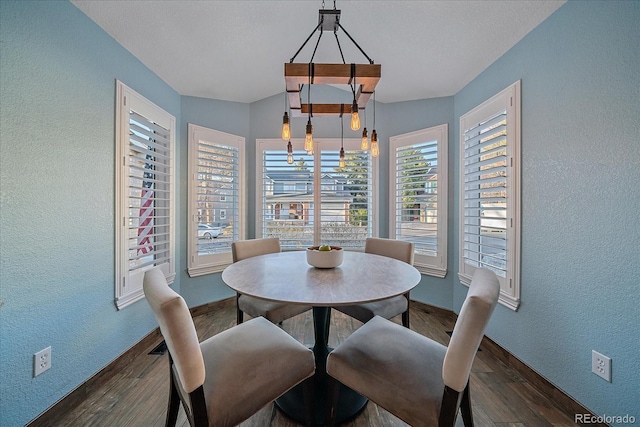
(297, 74)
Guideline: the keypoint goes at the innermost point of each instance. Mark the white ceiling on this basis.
(235, 50)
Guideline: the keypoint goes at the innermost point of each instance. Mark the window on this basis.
(288, 207)
(145, 175)
(490, 193)
(215, 200)
(418, 193)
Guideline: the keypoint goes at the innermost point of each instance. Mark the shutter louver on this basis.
(149, 191)
(217, 196)
(416, 196)
(485, 194)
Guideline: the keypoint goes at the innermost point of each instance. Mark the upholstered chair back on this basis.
(177, 328)
(397, 249)
(243, 249)
(475, 313)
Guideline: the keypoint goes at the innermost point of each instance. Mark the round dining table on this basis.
(287, 277)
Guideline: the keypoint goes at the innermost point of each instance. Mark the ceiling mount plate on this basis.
(328, 20)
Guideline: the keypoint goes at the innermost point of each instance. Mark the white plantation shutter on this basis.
(485, 194)
(215, 198)
(145, 189)
(490, 196)
(418, 192)
(289, 207)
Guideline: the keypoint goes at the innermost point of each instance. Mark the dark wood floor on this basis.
(138, 395)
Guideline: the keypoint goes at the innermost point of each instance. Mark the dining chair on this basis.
(391, 307)
(227, 378)
(275, 312)
(417, 379)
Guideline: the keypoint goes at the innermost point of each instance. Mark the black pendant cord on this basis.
(374, 110)
(311, 75)
(353, 78)
(341, 127)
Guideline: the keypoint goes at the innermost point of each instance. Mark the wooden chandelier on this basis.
(363, 78)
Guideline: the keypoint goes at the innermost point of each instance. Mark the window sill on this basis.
(207, 269)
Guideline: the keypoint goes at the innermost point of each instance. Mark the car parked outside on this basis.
(206, 231)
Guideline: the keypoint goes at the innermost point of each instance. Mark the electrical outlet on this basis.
(41, 361)
(601, 365)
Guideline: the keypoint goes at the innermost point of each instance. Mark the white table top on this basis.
(286, 277)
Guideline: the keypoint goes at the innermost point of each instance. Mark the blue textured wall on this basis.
(57, 112)
(580, 72)
(581, 154)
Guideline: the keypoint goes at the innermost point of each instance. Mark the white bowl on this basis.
(324, 259)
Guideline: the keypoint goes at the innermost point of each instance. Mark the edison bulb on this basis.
(375, 149)
(355, 118)
(286, 131)
(364, 145)
(308, 140)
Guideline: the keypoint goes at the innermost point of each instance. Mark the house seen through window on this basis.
(341, 213)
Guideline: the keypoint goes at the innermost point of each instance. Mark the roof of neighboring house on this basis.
(290, 175)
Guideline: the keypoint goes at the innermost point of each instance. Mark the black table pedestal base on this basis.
(350, 403)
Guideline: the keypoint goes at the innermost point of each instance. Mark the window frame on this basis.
(333, 144)
(508, 99)
(128, 283)
(426, 264)
(199, 265)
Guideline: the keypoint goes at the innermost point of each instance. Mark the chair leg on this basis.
(199, 408)
(333, 391)
(174, 403)
(449, 407)
(465, 408)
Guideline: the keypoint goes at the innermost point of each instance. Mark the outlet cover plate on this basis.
(41, 361)
(601, 365)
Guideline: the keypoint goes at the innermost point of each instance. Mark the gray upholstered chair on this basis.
(227, 378)
(275, 312)
(415, 378)
(390, 307)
